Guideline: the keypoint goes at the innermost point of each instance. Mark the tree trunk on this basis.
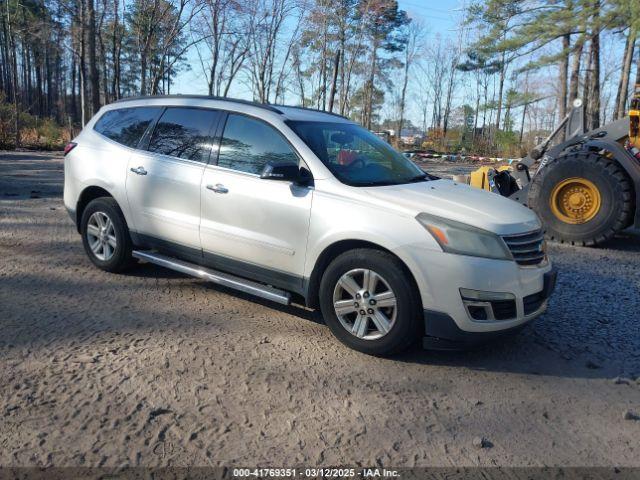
(623, 85)
(104, 70)
(564, 72)
(14, 79)
(322, 90)
(586, 93)
(594, 91)
(449, 97)
(74, 105)
(524, 115)
(368, 106)
(403, 97)
(334, 81)
(574, 79)
(637, 85)
(83, 66)
(503, 69)
(143, 74)
(50, 109)
(93, 63)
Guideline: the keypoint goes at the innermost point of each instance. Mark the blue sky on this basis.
(439, 17)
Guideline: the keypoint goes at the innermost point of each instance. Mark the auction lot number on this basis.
(313, 473)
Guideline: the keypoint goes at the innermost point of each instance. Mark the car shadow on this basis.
(558, 344)
(148, 270)
(571, 340)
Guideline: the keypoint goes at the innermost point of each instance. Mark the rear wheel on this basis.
(582, 198)
(105, 235)
(370, 303)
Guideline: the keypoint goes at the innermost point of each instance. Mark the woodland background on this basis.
(501, 79)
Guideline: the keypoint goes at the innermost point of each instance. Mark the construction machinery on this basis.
(584, 186)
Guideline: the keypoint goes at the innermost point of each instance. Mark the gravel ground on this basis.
(153, 368)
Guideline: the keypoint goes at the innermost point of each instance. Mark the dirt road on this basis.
(154, 368)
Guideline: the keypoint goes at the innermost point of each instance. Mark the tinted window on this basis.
(126, 125)
(248, 144)
(184, 133)
(355, 155)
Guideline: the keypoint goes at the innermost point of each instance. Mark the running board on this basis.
(224, 279)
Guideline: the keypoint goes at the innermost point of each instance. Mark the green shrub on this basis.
(35, 132)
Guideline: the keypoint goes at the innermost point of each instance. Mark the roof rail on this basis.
(313, 110)
(264, 106)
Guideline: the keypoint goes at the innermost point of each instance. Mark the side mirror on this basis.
(288, 172)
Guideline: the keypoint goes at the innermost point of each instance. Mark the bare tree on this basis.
(623, 85)
(434, 69)
(264, 27)
(219, 26)
(415, 38)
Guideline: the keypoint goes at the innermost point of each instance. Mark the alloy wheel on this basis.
(365, 304)
(101, 235)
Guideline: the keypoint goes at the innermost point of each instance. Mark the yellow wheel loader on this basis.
(585, 188)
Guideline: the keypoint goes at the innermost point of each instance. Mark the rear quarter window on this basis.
(126, 125)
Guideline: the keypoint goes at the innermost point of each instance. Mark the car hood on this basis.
(462, 203)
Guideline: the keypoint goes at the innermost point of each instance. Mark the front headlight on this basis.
(462, 239)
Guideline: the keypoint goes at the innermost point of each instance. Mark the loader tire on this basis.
(582, 198)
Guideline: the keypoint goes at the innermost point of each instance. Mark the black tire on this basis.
(405, 330)
(616, 192)
(121, 258)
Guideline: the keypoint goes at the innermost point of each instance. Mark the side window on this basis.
(248, 144)
(184, 133)
(126, 125)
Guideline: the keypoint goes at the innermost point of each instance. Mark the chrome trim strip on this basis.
(523, 257)
(224, 279)
(231, 170)
(521, 250)
(515, 243)
(514, 235)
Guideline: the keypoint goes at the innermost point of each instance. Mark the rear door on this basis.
(163, 182)
(251, 226)
(122, 131)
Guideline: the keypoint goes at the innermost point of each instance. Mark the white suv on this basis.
(292, 204)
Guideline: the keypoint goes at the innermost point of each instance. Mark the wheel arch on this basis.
(86, 196)
(312, 284)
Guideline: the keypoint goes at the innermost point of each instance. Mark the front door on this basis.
(163, 182)
(250, 226)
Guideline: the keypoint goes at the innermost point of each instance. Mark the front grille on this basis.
(532, 303)
(528, 248)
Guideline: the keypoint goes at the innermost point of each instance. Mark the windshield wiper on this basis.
(386, 183)
(419, 178)
(380, 183)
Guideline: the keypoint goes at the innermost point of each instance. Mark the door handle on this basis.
(218, 188)
(139, 171)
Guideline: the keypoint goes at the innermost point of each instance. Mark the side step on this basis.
(231, 281)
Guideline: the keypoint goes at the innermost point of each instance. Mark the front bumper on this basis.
(442, 332)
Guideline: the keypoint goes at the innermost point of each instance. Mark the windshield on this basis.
(355, 155)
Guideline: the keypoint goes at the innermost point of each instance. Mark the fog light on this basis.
(477, 312)
(489, 306)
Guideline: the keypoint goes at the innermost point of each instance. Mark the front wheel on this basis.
(370, 302)
(582, 198)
